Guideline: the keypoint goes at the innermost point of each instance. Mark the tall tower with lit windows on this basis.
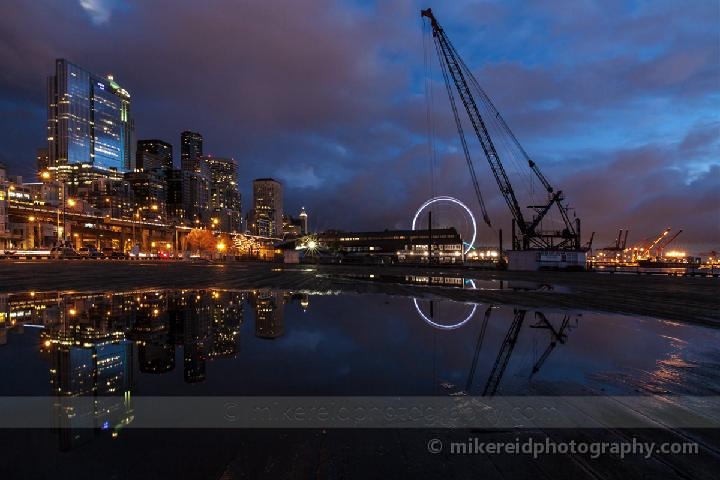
(89, 121)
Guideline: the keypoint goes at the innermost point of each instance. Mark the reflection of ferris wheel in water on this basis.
(445, 211)
(436, 309)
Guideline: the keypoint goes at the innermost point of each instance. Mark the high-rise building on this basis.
(191, 149)
(267, 207)
(224, 191)
(195, 178)
(149, 194)
(175, 207)
(195, 197)
(42, 159)
(154, 155)
(89, 120)
(224, 194)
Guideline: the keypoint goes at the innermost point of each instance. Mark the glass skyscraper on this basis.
(191, 149)
(89, 120)
(154, 155)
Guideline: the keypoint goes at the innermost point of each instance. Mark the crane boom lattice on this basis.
(461, 81)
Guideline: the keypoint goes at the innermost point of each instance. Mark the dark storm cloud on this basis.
(618, 100)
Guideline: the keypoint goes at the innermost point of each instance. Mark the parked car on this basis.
(114, 254)
(64, 251)
(90, 252)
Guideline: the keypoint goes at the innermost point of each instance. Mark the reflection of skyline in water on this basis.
(112, 347)
(203, 325)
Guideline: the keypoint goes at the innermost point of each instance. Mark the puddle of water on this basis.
(265, 342)
(280, 343)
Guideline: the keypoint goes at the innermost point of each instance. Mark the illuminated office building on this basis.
(224, 194)
(89, 120)
(153, 155)
(267, 208)
(149, 194)
(42, 159)
(191, 149)
(195, 179)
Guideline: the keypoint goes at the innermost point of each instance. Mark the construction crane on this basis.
(530, 235)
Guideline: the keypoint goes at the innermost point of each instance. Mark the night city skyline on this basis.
(617, 102)
(360, 239)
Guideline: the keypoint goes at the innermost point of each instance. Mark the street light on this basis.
(66, 202)
(136, 219)
(32, 225)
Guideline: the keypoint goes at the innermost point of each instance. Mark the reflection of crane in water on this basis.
(478, 346)
(556, 336)
(504, 354)
(508, 345)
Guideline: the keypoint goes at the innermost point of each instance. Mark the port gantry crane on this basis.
(530, 235)
(645, 249)
(660, 247)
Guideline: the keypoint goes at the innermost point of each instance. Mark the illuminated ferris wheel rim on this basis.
(440, 326)
(446, 198)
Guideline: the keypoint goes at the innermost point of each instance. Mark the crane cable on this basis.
(463, 142)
